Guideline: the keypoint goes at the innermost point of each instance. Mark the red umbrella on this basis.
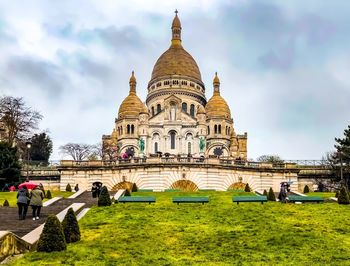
(29, 185)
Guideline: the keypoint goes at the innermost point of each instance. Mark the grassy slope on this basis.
(12, 196)
(321, 194)
(218, 233)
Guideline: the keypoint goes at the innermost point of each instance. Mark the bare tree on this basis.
(77, 151)
(17, 119)
(270, 159)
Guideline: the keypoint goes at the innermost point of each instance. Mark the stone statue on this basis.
(201, 144)
(141, 144)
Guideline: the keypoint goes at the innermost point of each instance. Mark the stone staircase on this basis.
(10, 222)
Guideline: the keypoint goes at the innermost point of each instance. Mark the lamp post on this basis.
(28, 145)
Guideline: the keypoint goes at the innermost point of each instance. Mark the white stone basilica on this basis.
(176, 118)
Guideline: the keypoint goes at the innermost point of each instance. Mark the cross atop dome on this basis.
(176, 30)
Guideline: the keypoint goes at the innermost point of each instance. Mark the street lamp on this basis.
(28, 145)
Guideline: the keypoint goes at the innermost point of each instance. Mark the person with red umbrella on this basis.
(22, 202)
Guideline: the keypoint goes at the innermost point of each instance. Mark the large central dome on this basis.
(176, 60)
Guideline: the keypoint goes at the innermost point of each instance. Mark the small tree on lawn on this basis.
(271, 196)
(6, 203)
(68, 188)
(265, 192)
(337, 194)
(306, 189)
(134, 187)
(48, 194)
(247, 188)
(104, 199)
(127, 193)
(343, 197)
(71, 227)
(52, 237)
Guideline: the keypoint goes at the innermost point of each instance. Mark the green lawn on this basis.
(217, 233)
(12, 196)
(325, 195)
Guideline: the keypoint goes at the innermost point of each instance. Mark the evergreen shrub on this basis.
(6, 203)
(343, 197)
(52, 237)
(71, 227)
(104, 198)
(265, 192)
(134, 187)
(247, 188)
(127, 193)
(271, 196)
(48, 194)
(68, 188)
(306, 189)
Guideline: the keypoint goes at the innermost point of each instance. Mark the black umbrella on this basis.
(97, 183)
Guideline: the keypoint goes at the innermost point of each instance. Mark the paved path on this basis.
(9, 216)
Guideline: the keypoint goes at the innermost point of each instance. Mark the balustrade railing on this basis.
(177, 160)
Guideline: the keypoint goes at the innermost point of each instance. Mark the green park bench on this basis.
(305, 199)
(239, 199)
(148, 199)
(179, 200)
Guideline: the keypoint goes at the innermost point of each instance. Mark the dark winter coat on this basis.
(36, 197)
(22, 196)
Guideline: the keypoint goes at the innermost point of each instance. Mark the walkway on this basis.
(9, 216)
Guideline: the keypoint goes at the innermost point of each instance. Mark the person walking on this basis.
(36, 201)
(22, 202)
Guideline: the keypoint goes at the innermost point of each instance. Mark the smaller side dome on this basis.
(217, 107)
(132, 106)
(144, 109)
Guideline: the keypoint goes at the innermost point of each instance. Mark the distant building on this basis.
(176, 118)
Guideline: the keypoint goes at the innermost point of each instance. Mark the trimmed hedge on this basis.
(48, 194)
(343, 197)
(52, 237)
(71, 227)
(127, 193)
(134, 187)
(104, 198)
(6, 203)
(271, 196)
(68, 188)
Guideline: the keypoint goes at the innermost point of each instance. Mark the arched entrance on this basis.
(122, 185)
(237, 186)
(184, 185)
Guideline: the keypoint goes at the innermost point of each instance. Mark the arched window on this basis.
(189, 148)
(192, 110)
(128, 129)
(132, 129)
(184, 107)
(121, 130)
(215, 129)
(219, 129)
(208, 129)
(155, 147)
(172, 140)
(152, 111)
(159, 108)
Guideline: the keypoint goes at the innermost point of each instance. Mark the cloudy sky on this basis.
(284, 66)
